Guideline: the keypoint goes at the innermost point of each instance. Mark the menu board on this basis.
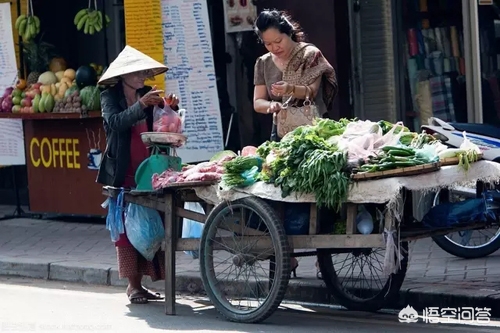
(188, 54)
(239, 15)
(12, 142)
(8, 61)
(143, 31)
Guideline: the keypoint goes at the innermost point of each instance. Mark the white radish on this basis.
(451, 152)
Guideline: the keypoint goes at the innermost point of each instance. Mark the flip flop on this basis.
(152, 296)
(137, 297)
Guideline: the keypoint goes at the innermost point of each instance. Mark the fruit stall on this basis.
(59, 106)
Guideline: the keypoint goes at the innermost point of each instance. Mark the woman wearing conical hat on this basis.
(127, 109)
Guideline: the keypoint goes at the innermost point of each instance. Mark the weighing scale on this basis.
(163, 157)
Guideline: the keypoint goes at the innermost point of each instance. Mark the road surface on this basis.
(46, 306)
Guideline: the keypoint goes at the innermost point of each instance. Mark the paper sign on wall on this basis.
(191, 75)
(8, 61)
(12, 142)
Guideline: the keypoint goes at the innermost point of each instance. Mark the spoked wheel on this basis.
(467, 244)
(245, 260)
(356, 277)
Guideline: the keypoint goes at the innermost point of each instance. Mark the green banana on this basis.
(37, 24)
(79, 15)
(86, 28)
(82, 22)
(22, 27)
(20, 19)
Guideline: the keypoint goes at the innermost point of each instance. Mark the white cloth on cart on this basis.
(380, 191)
(383, 191)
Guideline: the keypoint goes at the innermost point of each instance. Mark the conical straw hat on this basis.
(129, 61)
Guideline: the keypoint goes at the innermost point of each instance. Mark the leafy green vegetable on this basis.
(304, 161)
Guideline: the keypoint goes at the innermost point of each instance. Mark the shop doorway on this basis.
(447, 61)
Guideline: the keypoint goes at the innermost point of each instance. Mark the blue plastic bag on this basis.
(449, 214)
(114, 219)
(145, 230)
(190, 228)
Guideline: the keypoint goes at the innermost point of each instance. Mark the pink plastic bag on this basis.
(167, 120)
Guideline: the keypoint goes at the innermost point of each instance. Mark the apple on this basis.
(16, 109)
(17, 92)
(16, 100)
(37, 85)
(26, 102)
(31, 94)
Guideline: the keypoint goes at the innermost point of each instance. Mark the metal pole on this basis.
(475, 62)
(19, 40)
(469, 74)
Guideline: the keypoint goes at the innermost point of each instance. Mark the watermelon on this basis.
(86, 76)
(91, 98)
(220, 155)
(71, 90)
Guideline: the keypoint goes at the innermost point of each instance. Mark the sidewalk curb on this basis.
(418, 295)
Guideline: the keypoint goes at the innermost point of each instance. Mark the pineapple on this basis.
(37, 56)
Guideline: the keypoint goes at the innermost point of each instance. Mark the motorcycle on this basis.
(487, 138)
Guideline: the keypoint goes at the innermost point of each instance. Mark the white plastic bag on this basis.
(190, 228)
(145, 230)
(167, 120)
(468, 145)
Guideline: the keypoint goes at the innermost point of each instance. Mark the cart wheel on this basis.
(234, 273)
(357, 280)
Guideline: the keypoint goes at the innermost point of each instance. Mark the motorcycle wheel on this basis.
(462, 248)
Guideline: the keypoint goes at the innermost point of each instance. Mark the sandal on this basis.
(137, 297)
(152, 296)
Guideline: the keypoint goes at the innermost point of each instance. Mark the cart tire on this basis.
(388, 293)
(281, 260)
(465, 252)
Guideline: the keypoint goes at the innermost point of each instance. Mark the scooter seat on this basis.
(481, 129)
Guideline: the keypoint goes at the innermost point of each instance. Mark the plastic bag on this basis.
(468, 145)
(190, 228)
(145, 230)
(167, 120)
(114, 219)
(452, 213)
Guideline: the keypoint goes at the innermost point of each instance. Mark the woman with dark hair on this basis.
(127, 109)
(291, 70)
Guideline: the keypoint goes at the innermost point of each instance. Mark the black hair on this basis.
(280, 21)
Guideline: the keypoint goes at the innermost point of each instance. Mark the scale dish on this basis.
(173, 139)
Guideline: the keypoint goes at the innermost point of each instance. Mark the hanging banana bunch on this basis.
(28, 25)
(91, 20)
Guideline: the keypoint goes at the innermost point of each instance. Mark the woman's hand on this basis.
(172, 100)
(274, 107)
(281, 88)
(151, 98)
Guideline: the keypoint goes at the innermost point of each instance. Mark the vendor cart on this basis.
(244, 239)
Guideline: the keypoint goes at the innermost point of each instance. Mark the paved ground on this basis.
(52, 307)
(84, 252)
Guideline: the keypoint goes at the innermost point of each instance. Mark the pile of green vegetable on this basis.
(308, 160)
(242, 171)
(396, 157)
(303, 161)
